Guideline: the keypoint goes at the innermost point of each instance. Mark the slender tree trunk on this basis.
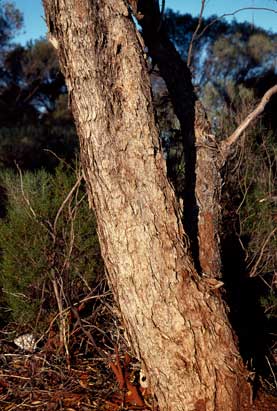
(202, 178)
(176, 321)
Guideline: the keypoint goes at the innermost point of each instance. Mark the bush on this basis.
(29, 145)
(43, 238)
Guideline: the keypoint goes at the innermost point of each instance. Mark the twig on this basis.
(15, 376)
(60, 314)
(254, 269)
(28, 203)
(23, 193)
(61, 160)
(272, 372)
(161, 15)
(62, 326)
(65, 201)
(245, 194)
(195, 32)
(233, 14)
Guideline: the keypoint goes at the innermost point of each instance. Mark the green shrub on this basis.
(257, 210)
(34, 248)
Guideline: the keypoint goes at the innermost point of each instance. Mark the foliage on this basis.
(34, 113)
(33, 76)
(250, 177)
(224, 52)
(29, 145)
(11, 20)
(33, 95)
(257, 210)
(240, 55)
(249, 196)
(30, 253)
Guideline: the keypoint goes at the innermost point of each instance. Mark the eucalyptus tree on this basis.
(165, 276)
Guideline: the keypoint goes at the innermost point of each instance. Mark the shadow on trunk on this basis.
(177, 77)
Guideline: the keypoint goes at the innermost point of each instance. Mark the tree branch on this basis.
(162, 14)
(79, 179)
(195, 32)
(233, 14)
(226, 144)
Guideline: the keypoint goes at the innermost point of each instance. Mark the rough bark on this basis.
(208, 194)
(177, 321)
(203, 183)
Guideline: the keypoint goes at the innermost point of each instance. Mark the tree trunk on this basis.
(202, 178)
(176, 321)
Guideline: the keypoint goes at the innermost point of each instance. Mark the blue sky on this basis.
(35, 27)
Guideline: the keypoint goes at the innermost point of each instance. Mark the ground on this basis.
(99, 374)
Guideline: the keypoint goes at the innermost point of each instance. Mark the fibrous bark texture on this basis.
(176, 321)
(201, 196)
(208, 194)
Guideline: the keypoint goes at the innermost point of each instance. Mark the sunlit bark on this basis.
(176, 320)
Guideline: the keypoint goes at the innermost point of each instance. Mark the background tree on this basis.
(31, 97)
(34, 114)
(230, 84)
(11, 21)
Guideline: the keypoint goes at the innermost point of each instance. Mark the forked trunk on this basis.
(176, 321)
(202, 178)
